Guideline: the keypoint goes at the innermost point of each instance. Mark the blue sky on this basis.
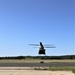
(30, 21)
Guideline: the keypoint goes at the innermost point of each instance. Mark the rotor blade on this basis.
(48, 45)
(51, 47)
(34, 44)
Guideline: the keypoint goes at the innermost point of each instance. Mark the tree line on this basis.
(40, 57)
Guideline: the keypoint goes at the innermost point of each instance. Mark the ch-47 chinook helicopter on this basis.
(42, 47)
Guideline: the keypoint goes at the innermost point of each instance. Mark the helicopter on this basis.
(42, 47)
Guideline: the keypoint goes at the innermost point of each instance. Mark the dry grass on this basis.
(32, 61)
(65, 68)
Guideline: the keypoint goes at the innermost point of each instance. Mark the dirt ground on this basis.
(34, 72)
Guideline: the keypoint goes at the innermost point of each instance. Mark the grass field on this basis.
(58, 69)
(72, 68)
(32, 60)
(62, 69)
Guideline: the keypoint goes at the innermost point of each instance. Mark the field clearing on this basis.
(32, 61)
(34, 72)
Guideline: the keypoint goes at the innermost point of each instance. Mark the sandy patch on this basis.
(34, 72)
(30, 71)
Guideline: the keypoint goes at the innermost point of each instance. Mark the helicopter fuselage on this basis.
(41, 49)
